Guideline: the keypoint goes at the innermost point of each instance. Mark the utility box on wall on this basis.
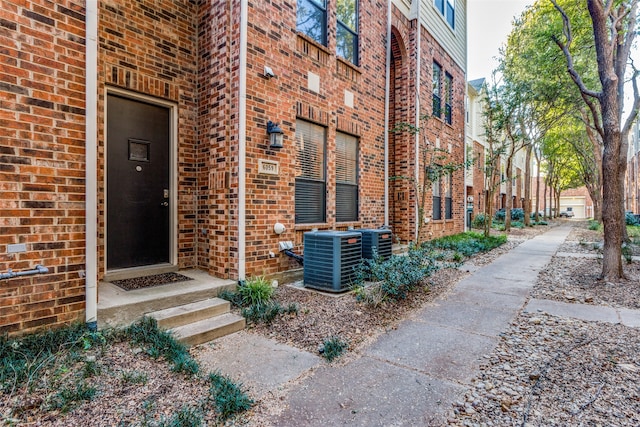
(331, 259)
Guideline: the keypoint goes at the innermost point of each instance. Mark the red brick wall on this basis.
(148, 47)
(42, 119)
(218, 138)
(440, 134)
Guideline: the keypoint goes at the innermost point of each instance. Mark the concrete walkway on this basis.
(411, 376)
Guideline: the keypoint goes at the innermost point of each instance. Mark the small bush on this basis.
(594, 225)
(478, 221)
(631, 219)
(262, 313)
(332, 348)
(229, 398)
(256, 291)
(517, 214)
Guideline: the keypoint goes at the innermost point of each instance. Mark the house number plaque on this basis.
(268, 167)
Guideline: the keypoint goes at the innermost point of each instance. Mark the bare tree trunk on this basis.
(527, 187)
(509, 196)
(538, 186)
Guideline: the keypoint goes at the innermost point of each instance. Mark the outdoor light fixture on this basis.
(275, 135)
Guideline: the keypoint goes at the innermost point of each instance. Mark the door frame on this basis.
(173, 172)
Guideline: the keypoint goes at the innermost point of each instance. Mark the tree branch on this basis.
(566, 25)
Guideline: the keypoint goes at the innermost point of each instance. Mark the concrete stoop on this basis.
(200, 321)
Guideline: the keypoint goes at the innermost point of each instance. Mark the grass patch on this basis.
(332, 348)
(228, 397)
(595, 225)
(135, 377)
(157, 343)
(23, 360)
(67, 398)
(187, 416)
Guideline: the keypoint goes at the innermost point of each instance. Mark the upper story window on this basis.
(347, 31)
(448, 10)
(448, 96)
(437, 89)
(311, 19)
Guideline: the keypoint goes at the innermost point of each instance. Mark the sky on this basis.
(488, 25)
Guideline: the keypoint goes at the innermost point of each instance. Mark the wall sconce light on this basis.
(275, 135)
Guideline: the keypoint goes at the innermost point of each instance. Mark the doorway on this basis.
(138, 217)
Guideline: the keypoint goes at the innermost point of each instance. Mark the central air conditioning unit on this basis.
(331, 259)
(378, 241)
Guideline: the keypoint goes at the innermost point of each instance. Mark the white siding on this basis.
(454, 42)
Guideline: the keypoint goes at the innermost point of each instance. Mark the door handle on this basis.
(164, 204)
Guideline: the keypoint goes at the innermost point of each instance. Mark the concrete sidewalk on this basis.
(411, 376)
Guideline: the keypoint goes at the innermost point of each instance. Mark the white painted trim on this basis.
(417, 118)
(242, 141)
(387, 96)
(91, 164)
(173, 164)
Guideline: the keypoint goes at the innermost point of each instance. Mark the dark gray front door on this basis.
(137, 183)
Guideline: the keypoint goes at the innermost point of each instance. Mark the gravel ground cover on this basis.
(552, 371)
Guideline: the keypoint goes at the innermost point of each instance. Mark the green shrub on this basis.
(594, 225)
(398, 274)
(229, 398)
(333, 348)
(262, 313)
(631, 219)
(478, 221)
(256, 291)
(467, 244)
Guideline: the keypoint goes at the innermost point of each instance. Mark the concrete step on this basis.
(209, 329)
(189, 313)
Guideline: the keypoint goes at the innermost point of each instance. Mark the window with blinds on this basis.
(311, 177)
(437, 207)
(448, 196)
(346, 178)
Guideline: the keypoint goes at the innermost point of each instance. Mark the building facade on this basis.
(135, 134)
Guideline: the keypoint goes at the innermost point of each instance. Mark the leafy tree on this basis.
(614, 30)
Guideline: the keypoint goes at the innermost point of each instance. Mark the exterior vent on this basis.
(331, 258)
(378, 241)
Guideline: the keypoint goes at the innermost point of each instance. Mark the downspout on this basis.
(415, 13)
(242, 143)
(387, 96)
(91, 161)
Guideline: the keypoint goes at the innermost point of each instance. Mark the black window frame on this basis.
(437, 200)
(353, 32)
(320, 8)
(437, 90)
(448, 196)
(310, 191)
(347, 192)
(448, 95)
